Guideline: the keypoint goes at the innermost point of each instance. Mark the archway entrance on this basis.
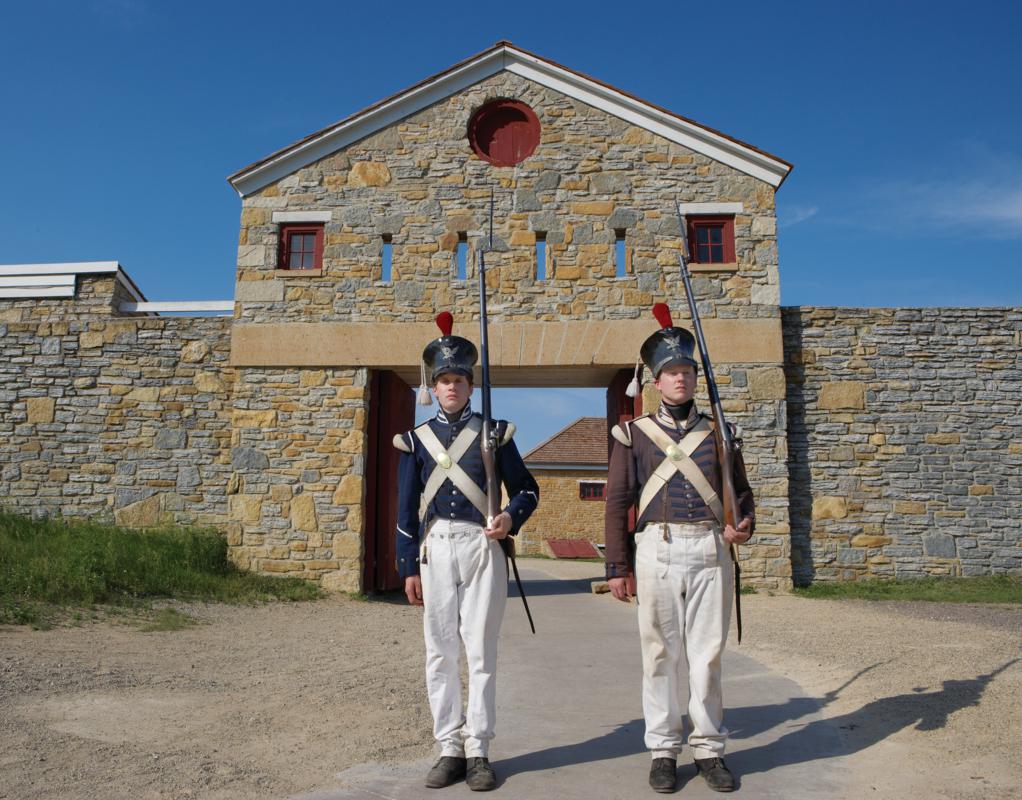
(392, 411)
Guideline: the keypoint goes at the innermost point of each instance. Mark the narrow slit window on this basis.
(387, 259)
(540, 256)
(461, 256)
(620, 254)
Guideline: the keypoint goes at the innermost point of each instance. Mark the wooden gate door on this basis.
(391, 411)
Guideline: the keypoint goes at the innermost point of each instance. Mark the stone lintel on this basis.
(579, 345)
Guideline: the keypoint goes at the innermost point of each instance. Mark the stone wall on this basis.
(561, 514)
(127, 418)
(905, 441)
(298, 455)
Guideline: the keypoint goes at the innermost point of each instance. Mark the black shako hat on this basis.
(449, 353)
(669, 345)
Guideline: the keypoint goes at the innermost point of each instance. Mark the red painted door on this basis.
(391, 411)
(621, 407)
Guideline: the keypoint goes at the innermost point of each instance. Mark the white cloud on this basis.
(982, 198)
(796, 214)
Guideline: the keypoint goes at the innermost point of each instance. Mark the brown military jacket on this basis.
(631, 465)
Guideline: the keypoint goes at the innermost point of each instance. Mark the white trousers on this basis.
(464, 588)
(684, 586)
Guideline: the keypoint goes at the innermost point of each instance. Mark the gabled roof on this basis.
(583, 442)
(505, 56)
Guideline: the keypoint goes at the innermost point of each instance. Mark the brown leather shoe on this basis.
(480, 776)
(718, 776)
(662, 774)
(447, 770)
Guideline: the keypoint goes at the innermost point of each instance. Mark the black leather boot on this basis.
(662, 774)
(445, 771)
(716, 773)
(480, 777)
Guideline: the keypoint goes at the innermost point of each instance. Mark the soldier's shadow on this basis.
(817, 739)
(623, 740)
(847, 733)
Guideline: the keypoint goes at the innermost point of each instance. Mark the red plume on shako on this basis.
(663, 315)
(445, 322)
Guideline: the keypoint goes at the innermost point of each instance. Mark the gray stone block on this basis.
(171, 438)
(248, 458)
(939, 545)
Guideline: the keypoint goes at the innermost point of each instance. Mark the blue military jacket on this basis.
(449, 503)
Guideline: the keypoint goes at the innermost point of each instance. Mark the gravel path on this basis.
(268, 701)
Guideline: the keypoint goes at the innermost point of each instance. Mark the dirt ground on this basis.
(267, 701)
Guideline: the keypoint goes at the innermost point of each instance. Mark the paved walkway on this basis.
(569, 719)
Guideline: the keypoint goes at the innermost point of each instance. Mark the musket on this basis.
(722, 432)
(489, 442)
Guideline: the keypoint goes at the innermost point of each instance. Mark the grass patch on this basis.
(982, 589)
(168, 619)
(50, 564)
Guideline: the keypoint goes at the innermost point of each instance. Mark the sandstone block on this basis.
(909, 507)
(208, 382)
(594, 208)
(40, 409)
(143, 514)
(347, 545)
(90, 339)
(194, 352)
(303, 513)
(349, 491)
(243, 418)
(312, 377)
(271, 291)
(943, 438)
(245, 507)
(862, 540)
(980, 489)
(767, 384)
(830, 507)
(343, 580)
(842, 395)
(369, 173)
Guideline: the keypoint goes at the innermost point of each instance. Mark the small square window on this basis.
(301, 247)
(711, 239)
(591, 490)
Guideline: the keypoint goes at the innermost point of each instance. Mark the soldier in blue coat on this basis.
(451, 559)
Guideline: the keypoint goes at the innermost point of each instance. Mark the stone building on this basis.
(571, 470)
(873, 448)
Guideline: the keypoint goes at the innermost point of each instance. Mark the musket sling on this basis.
(682, 463)
(447, 466)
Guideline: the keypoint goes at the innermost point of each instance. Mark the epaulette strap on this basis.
(509, 432)
(623, 434)
(401, 444)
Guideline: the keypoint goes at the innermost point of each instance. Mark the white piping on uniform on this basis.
(404, 533)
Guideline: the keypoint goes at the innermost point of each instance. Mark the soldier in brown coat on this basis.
(678, 563)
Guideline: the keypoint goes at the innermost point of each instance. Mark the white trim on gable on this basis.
(505, 57)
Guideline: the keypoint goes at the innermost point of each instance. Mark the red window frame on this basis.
(592, 490)
(285, 251)
(701, 227)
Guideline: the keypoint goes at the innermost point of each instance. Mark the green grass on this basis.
(53, 564)
(168, 619)
(984, 589)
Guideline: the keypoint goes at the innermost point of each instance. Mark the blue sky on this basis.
(122, 119)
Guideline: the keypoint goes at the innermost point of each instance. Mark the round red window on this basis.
(504, 132)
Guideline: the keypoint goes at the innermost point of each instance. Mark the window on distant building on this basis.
(591, 490)
(711, 239)
(301, 247)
